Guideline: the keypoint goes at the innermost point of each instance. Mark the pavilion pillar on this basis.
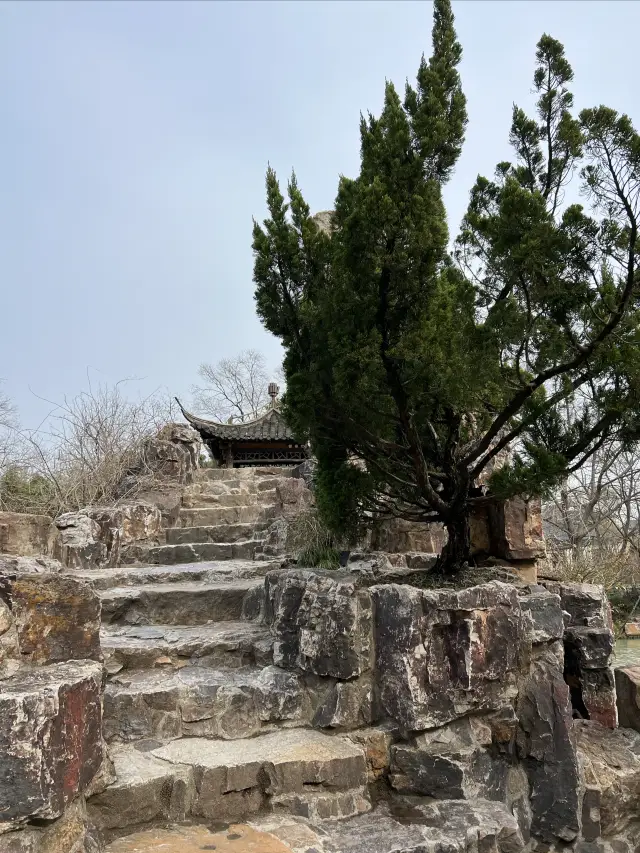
(228, 456)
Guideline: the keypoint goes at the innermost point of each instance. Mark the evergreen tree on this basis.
(411, 364)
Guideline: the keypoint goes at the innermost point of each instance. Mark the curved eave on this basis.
(236, 432)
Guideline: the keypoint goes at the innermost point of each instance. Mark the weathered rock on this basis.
(71, 833)
(543, 616)
(50, 739)
(611, 762)
(587, 671)
(95, 536)
(516, 529)
(546, 748)
(397, 536)
(376, 742)
(173, 453)
(441, 655)
(628, 696)
(27, 535)
(346, 705)
(10, 565)
(321, 622)
(57, 618)
(452, 762)
(407, 825)
(200, 702)
(237, 777)
(584, 604)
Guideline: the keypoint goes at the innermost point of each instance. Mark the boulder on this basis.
(452, 762)
(546, 748)
(321, 622)
(10, 565)
(27, 535)
(397, 536)
(584, 604)
(173, 453)
(443, 654)
(588, 653)
(96, 537)
(628, 696)
(57, 618)
(346, 705)
(73, 832)
(611, 762)
(516, 529)
(50, 739)
(542, 612)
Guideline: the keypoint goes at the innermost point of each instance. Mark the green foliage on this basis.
(410, 368)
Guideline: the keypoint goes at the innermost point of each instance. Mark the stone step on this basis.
(211, 515)
(418, 827)
(201, 498)
(217, 533)
(180, 603)
(204, 474)
(226, 644)
(198, 701)
(194, 552)
(207, 571)
(295, 771)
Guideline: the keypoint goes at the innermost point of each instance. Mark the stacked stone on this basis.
(51, 679)
(457, 695)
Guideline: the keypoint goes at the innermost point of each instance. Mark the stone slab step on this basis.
(293, 771)
(212, 515)
(179, 603)
(214, 533)
(450, 826)
(206, 551)
(226, 644)
(207, 571)
(203, 702)
(201, 498)
(204, 474)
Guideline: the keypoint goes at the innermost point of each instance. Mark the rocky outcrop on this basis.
(444, 654)
(56, 618)
(173, 453)
(27, 535)
(99, 536)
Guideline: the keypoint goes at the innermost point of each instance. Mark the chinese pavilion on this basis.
(264, 441)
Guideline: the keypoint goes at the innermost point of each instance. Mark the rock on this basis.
(612, 764)
(376, 742)
(174, 453)
(321, 622)
(543, 614)
(239, 778)
(443, 654)
(292, 496)
(628, 696)
(516, 529)
(95, 537)
(452, 762)
(397, 536)
(584, 604)
(632, 629)
(73, 832)
(546, 748)
(27, 535)
(10, 565)
(50, 739)
(346, 705)
(57, 618)
(306, 471)
(587, 671)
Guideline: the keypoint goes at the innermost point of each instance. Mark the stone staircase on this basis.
(203, 730)
(224, 516)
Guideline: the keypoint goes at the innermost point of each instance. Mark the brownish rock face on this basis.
(516, 529)
(50, 738)
(24, 534)
(57, 618)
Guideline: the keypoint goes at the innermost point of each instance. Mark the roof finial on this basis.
(273, 393)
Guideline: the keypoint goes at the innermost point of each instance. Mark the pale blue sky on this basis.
(136, 136)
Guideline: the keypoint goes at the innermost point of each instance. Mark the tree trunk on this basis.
(456, 554)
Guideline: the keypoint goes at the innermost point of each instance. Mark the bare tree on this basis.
(233, 388)
(89, 442)
(8, 432)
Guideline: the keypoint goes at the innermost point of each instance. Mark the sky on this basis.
(136, 136)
